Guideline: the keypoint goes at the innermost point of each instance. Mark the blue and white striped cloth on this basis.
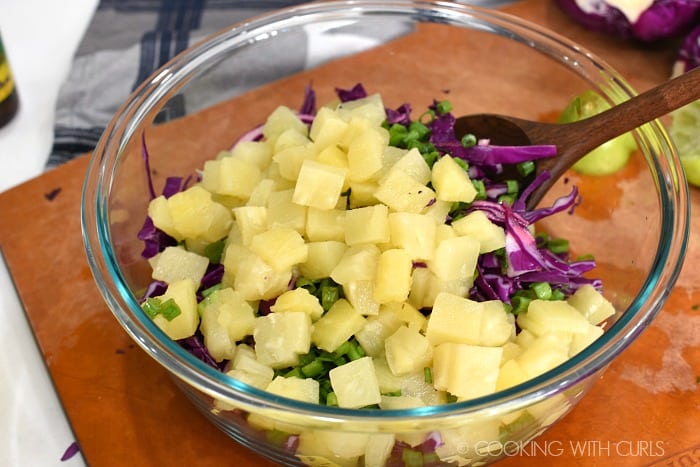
(126, 41)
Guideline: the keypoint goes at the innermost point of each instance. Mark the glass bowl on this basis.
(633, 222)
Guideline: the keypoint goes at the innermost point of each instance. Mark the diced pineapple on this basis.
(319, 185)
(466, 371)
(392, 282)
(159, 212)
(413, 232)
(367, 225)
(427, 286)
(322, 258)
(360, 294)
(195, 215)
(248, 369)
(376, 329)
(388, 382)
(261, 193)
(477, 225)
(290, 160)
(335, 157)
(289, 139)
(438, 210)
(325, 225)
(544, 353)
(378, 449)
(175, 263)
(231, 177)
(524, 338)
(455, 319)
(327, 128)
(234, 314)
(251, 276)
(283, 212)
(451, 181)
(298, 299)
(403, 193)
(370, 108)
(313, 451)
(413, 164)
(407, 351)
(545, 316)
(304, 390)
(216, 338)
(336, 326)
(510, 351)
(258, 153)
(185, 324)
(281, 337)
(355, 384)
(250, 220)
(510, 374)
(365, 154)
(344, 445)
(281, 120)
(415, 384)
(591, 304)
(455, 259)
(358, 263)
(362, 194)
(280, 247)
(580, 341)
(390, 155)
(409, 315)
(497, 325)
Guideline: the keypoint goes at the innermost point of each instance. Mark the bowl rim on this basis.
(673, 238)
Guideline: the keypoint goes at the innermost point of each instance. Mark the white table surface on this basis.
(40, 38)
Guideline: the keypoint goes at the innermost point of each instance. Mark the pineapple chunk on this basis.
(376, 329)
(195, 215)
(248, 369)
(319, 185)
(338, 325)
(413, 232)
(257, 153)
(360, 294)
(407, 351)
(335, 157)
(304, 390)
(322, 258)
(413, 164)
(545, 316)
(281, 120)
(234, 314)
(544, 353)
(298, 300)
(427, 286)
(231, 177)
(477, 225)
(251, 276)
(451, 181)
(313, 451)
(250, 220)
(510, 374)
(216, 338)
(362, 194)
(159, 212)
(497, 325)
(439, 210)
(281, 337)
(261, 193)
(403, 193)
(175, 263)
(184, 325)
(365, 153)
(358, 263)
(591, 304)
(455, 319)
(455, 259)
(392, 282)
(327, 128)
(283, 212)
(325, 225)
(280, 247)
(369, 108)
(466, 371)
(346, 445)
(378, 449)
(408, 314)
(291, 159)
(580, 341)
(400, 402)
(367, 225)
(290, 138)
(355, 384)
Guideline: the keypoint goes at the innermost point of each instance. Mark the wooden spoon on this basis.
(575, 140)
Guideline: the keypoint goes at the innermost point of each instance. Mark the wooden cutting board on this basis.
(125, 410)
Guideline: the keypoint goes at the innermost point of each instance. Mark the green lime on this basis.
(684, 130)
(610, 156)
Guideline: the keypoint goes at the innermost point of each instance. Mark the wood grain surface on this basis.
(125, 410)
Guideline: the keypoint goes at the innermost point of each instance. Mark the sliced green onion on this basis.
(512, 187)
(207, 292)
(542, 290)
(506, 199)
(428, 375)
(329, 295)
(462, 163)
(151, 307)
(443, 107)
(170, 310)
(557, 295)
(392, 393)
(412, 458)
(525, 168)
(332, 399)
(468, 140)
(519, 304)
(313, 369)
(558, 245)
(214, 251)
(356, 352)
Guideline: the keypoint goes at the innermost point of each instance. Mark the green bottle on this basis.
(9, 99)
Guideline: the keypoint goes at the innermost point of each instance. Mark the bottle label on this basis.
(7, 85)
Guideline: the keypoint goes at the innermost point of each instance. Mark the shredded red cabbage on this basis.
(356, 92)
